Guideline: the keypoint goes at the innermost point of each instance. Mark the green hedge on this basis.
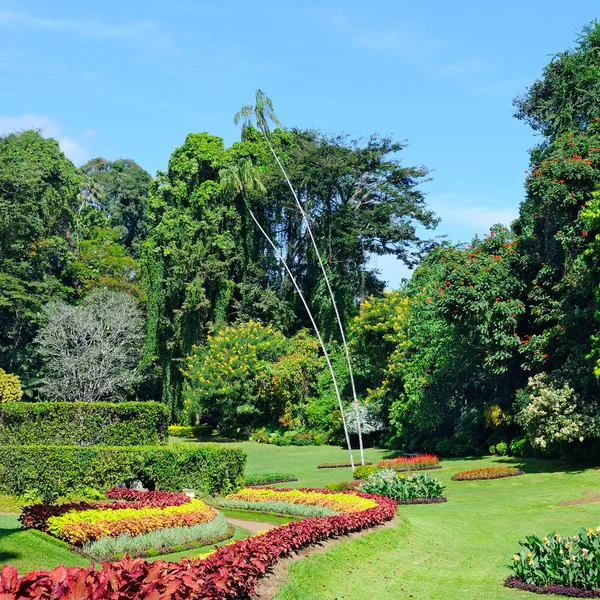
(54, 471)
(83, 423)
(193, 431)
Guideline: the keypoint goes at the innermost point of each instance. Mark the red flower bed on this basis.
(422, 462)
(487, 473)
(37, 515)
(228, 574)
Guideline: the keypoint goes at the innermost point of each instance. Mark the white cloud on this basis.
(144, 32)
(75, 150)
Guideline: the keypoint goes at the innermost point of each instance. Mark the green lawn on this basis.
(456, 551)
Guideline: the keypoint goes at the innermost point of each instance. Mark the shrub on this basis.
(58, 470)
(501, 448)
(572, 561)
(412, 463)
(403, 488)
(492, 450)
(364, 471)
(83, 423)
(289, 438)
(343, 486)
(551, 413)
(486, 473)
(266, 478)
(230, 573)
(519, 447)
(194, 431)
(10, 387)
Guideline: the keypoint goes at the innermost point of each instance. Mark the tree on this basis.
(38, 192)
(91, 351)
(239, 178)
(119, 188)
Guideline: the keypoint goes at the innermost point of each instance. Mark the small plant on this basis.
(492, 450)
(487, 473)
(570, 561)
(268, 478)
(364, 471)
(10, 387)
(502, 449)
(421, 462)
(403, 488)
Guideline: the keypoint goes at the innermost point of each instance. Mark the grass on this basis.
(253, 515)
(458, 550)
(302, 461)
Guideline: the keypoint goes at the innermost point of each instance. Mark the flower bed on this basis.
(341, 503)
(405, 489)
(422, 462)
(230, 573)
(568, 565)
(37, 515)
(268, 478)
(78, 527)
(337, 465)
(487, 473)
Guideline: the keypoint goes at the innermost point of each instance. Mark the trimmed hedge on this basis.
(192, 431)
(56, 471)
(83, 423)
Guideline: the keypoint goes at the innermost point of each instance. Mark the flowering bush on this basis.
(343, 503)
(403, 488)
(571, 561)
(552, 414)
(10, 387)
(486, 473)
(230, 573)
(412, 463)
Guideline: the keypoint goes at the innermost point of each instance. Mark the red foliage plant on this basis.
(36, 516)
(228, 574)
(411, 463)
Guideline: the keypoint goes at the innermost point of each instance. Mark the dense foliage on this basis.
(54, 471)
(571, 560)
(403, 488)
(494, 342)
(83, 423)
(10, 387)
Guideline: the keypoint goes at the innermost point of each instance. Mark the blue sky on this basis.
(132, 78)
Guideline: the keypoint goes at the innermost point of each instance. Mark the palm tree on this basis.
(262, 112)
(240, 178)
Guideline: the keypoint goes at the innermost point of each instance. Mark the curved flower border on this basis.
(230, 573)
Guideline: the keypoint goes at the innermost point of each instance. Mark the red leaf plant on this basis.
(229, 573)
